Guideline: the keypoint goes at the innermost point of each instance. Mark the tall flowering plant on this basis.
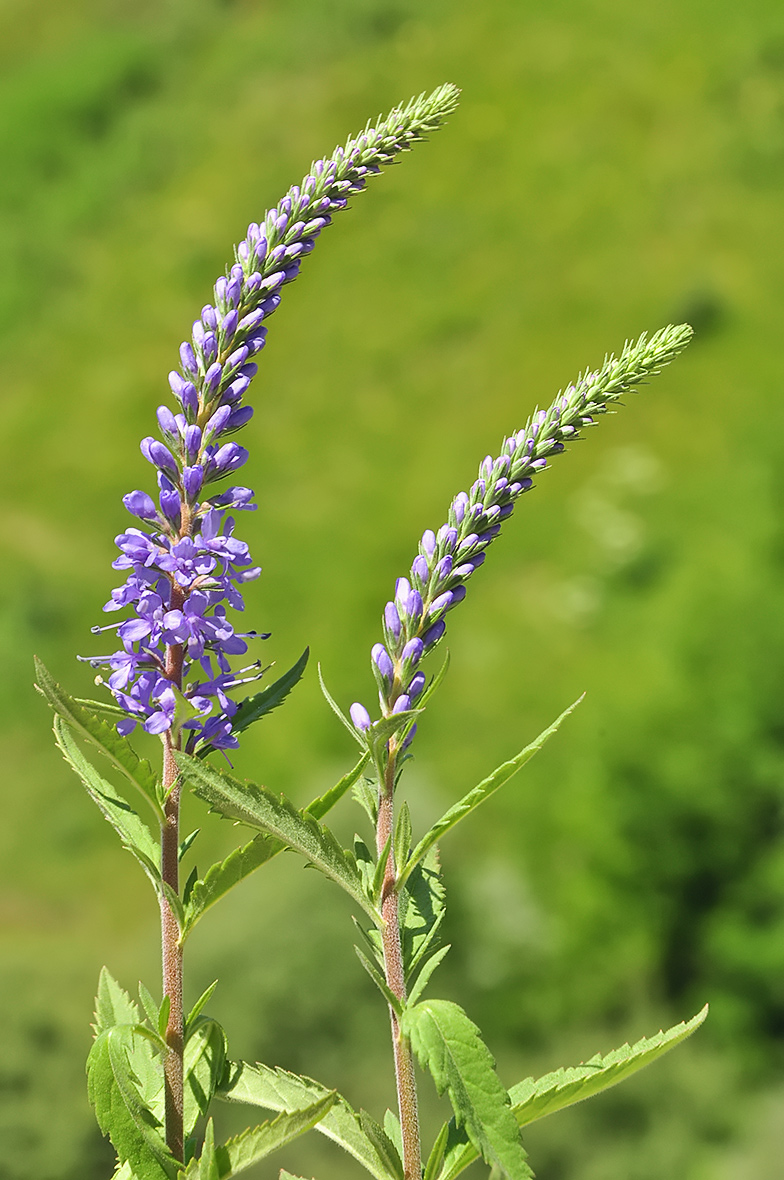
(178, 663)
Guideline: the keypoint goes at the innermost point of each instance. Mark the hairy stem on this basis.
(171, 948)
(396, 981)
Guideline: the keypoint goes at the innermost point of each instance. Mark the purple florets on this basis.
(173, 669)
(415, 621)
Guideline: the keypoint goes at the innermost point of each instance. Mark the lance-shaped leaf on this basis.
(319, 807)
(253, 708)
(256, 1143)
(223, 876)
(204, 1061)
(100, 733)
(121, 1112)
(448, 1044)
(277, 816)
(275, 1089)
(532, 1099)
(481, 792)
(132, 830)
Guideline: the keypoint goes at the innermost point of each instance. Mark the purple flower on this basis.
(414, 623)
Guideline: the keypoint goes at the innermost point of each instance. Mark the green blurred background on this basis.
(613, 166)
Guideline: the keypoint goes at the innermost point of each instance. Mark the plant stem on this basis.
(171, 948)
(396, 979)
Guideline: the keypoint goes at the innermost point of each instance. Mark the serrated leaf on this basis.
(533, 1099)
(425, 972)
(318, 808)
(284, 1175)
(224, 875)
(448, 1044)
(365, 794)
(255, 707)
(204, 1061)
(385, 1148)
(113, 1005)
(134, 834)
(483, 791)
(421, 911)
(336, 709)
(100, 733)
(258, 1142)
(279, 818)
(120, 1110)
(275, 1089)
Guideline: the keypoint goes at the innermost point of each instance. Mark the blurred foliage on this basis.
(612, 167)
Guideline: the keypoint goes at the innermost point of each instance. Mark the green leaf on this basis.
(276, 815)
(427, 969)
(533, 1099)
(204, 1062)
(134, 834)
(150, 1007)
(121, 1112)
(448, 1044)
(224, 875)
(403, 835)
(385, 1148)
(377, 884)
(163, 1015)
(365, 793)
(113, 1005)
(208, 1164)
(481, 792)
(382, 985)
(186, 843)
(421, 911)
(175, 904)
(100, 733)
(199, 1006)
(258, 1142)
(253, 708)
(336, 709)
(436, 1157)
(275, 1089)
(318, 808)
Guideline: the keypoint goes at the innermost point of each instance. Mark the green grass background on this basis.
(612, 167)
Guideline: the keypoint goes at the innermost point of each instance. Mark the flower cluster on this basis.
(174, 663)
(415, 621)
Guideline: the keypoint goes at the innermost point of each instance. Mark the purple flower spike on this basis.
(188, 566)
(402, 703)
(360, 716)
(416, 685)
